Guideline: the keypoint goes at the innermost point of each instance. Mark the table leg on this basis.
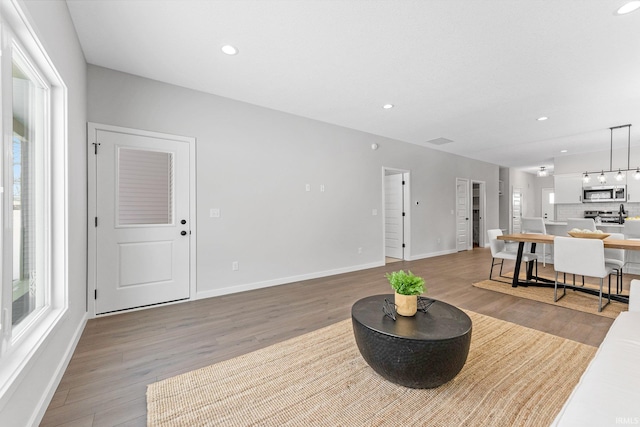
(516, 271)
(530, 269)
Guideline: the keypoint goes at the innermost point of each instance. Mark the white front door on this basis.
(394, 220)
(548, 211)
(462, 214)
(142, 225)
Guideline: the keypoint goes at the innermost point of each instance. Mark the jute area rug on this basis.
(574, 300)
(514, 376)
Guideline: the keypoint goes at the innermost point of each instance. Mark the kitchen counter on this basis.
(564, 224)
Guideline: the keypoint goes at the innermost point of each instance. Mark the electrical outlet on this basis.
(235, 266)
(322, 188)
(214, 213)
(307, 187)
(359, 250)
(374, 212)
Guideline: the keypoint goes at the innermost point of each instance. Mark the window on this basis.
(145, 187)
(33, 216)
(28, 202)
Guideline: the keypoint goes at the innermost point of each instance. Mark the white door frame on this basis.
(406, 176)
(482, 210)
(92, 241)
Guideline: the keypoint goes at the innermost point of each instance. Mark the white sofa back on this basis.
(608, 393)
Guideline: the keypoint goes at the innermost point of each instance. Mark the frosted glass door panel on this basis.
(145, 187)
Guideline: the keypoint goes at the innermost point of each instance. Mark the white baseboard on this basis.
(283, 281)
(50, 390)
(432, 254)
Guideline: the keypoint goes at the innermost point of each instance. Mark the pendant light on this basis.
(542, 172)
(620, 176)
(601, 178)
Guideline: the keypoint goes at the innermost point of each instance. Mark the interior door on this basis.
(516, 210)
(142, 229)
(462, 214)
(394, 219)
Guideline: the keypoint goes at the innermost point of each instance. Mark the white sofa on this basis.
(608, 393)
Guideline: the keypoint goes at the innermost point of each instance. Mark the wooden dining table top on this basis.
(548, 239)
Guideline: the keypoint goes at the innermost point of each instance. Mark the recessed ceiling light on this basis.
(543, 118)
(629, 7)
(563, 151)
(387, 106)
(229, 50)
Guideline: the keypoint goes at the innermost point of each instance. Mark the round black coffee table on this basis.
(423, 351)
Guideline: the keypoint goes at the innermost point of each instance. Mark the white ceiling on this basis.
(475, 72)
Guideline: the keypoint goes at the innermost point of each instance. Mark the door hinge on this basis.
(402, 182)
(95, 294)
(96, 221)
(95, 147)
(403, 214)
(403, 245)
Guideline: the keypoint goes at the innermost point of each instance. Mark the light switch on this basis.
(214, 213)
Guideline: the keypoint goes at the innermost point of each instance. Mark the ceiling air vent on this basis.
(439, 141)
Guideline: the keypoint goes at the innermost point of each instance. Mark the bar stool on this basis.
(581, 223)
(536, 226)
(614, 258)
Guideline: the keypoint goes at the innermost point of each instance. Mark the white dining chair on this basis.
(614, 258)
(499, 251)
(583, 257)
(535, 226)
(631, 230)
(581, 223)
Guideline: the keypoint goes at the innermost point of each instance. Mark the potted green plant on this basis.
(407, 287)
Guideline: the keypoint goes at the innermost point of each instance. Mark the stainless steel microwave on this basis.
(604, 193)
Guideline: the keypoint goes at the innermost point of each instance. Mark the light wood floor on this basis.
(118, 356)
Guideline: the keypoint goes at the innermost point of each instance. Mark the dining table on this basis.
(534, 239)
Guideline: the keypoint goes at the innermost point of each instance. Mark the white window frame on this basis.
(20, 346)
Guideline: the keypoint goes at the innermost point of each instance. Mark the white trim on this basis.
(284, 280)
(92, 131)
(51, 388)
(433, 254)
(23, 352)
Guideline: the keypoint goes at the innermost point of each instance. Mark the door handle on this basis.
(184, 221)
(184, 233)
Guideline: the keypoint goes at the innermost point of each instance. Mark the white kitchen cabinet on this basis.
(568, 188)
(633, 188)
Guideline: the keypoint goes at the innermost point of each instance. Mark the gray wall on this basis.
(253, 164)
(35, 384)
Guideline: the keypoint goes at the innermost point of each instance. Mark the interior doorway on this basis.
(396, 214)
(478, 202)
